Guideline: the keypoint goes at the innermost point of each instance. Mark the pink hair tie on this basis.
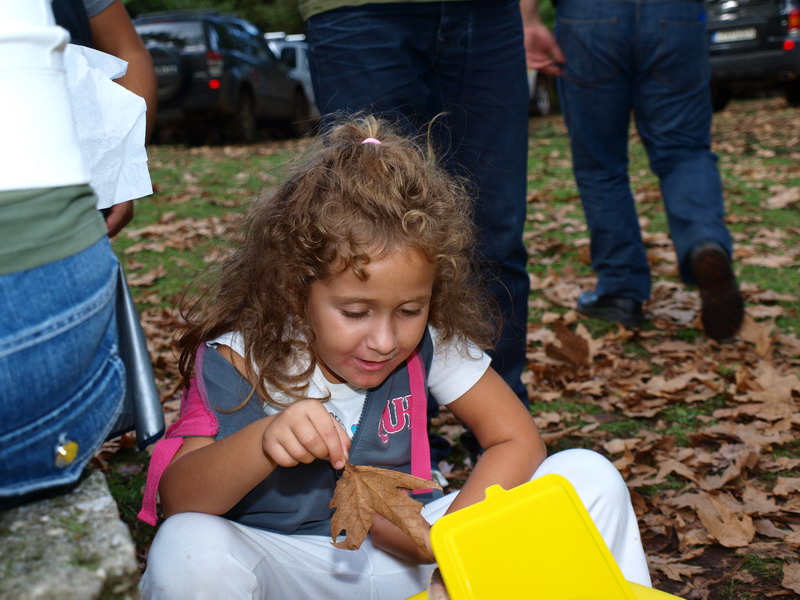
(372, 141)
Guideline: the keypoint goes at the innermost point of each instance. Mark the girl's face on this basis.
(365, 329)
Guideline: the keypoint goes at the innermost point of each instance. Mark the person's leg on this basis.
(372, 58)
(199, 556)
(605, 496)
(596, 98)
(202, 556)
(673, 115)
(479, 82)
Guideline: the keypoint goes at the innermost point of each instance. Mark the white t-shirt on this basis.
(453, 372)
(39, 144)
(66, 122)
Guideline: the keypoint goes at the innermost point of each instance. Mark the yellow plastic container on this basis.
(535, 541)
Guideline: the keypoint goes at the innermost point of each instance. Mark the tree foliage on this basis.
(547, 12)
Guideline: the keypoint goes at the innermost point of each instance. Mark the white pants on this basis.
(197, 556)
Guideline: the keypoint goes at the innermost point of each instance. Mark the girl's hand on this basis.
(390, 538)
(303, 432)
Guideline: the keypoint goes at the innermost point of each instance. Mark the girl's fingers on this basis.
(287, 451)
(336, 441)
(306, 433)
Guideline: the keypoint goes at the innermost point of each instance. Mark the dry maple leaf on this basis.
(574, 350)
(791, 576)
(363, 491)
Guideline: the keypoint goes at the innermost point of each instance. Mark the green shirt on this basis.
(44, 225)
(309, 8)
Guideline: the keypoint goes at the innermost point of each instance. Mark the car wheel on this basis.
(720, 96)
(793, 94)
(245, 123)
(301, 122)
(542, 102)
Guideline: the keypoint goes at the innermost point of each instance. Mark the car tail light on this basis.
(214, 62)
(794, 22)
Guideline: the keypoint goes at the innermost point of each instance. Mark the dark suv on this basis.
(754, 44)
(217, 68)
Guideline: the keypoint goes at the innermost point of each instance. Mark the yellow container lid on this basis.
(641, 592)
(534, 541)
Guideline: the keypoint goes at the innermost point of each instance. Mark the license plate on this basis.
(164, 70)
(733, 35)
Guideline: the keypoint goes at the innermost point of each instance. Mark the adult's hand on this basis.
(542, 52)
(118, 216)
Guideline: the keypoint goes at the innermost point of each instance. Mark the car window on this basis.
(227, 38)
(261, 49)
(186, 36)
(213, 38)
(251, 43)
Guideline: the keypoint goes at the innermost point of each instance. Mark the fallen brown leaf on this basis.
(363, 491)
(573, 349)
(791, 576)
(672, 567)
(783, 198)
(786, 486)
(725, 525)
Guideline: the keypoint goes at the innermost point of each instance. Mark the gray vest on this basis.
(295, 500)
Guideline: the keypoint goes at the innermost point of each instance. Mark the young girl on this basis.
(351, 295)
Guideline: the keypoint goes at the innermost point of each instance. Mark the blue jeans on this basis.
(61, 379)
(648, 57)
(414, 61)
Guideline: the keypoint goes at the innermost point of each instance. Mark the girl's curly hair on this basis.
(348, 204)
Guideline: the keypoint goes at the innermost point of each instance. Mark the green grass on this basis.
(564, 405)
(671, 482)
(126, 478)
(624, 428)
(682, 418)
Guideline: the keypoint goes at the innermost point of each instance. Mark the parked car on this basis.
(543, 92)
(754, 44)
(217, 69)
(292, 50)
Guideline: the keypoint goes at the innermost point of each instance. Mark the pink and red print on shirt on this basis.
(396, 417)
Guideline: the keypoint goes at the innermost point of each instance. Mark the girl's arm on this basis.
(513, 449)
(504, 427)
(212, 476)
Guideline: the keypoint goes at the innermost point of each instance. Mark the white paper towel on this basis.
(110, 123)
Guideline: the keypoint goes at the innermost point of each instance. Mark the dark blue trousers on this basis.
(465, 62)
(648, 58)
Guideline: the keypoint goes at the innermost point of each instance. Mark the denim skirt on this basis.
(61, 377)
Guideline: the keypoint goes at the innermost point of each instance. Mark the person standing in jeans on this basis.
(649, 58)
(462, 65)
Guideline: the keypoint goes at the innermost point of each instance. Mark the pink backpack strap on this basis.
(195, 419)
(163, 453)
(420, 446)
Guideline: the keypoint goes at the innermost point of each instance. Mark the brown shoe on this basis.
(722, 309)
